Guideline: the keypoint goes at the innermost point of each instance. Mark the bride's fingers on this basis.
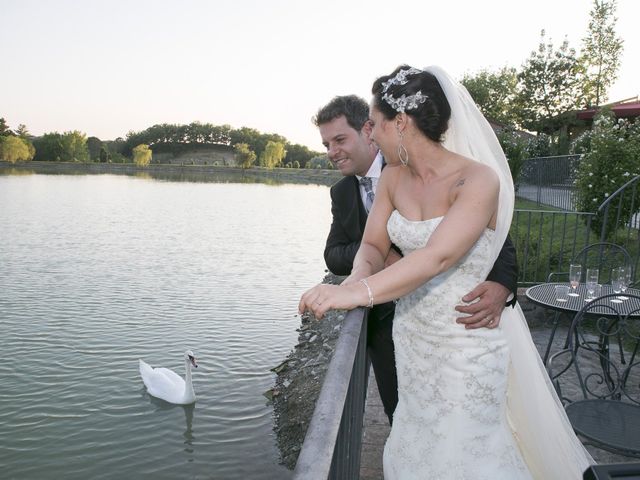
(309, 300)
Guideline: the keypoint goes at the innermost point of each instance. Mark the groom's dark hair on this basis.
(354, 109)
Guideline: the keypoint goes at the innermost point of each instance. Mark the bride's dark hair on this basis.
(431, 116)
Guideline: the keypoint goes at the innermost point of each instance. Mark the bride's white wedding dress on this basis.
(451, 417)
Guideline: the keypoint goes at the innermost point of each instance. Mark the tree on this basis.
(104, 155)
(75, 145)
(549, 84)
(600, 56)
(515, 149)
(495, 93)
(66, 147)
(298, 153)
(22, 131)
(4, 128)
(244, 155)
(14, 149)
(142, 155)
(94, 145)
(273, 154)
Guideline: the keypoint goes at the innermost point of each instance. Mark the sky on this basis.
(107, 67)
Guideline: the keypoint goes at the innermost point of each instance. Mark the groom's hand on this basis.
(489, 299)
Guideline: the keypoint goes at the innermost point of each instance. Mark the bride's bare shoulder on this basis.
(477, 171)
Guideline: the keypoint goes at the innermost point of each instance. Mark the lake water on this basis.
(97, 271)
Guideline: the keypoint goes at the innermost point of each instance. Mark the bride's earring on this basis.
(403, 155)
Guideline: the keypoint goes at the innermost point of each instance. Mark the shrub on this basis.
(514, 147)
(612, 159)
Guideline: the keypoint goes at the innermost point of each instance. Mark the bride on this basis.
(472, 403)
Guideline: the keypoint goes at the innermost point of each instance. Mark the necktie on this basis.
(367, 183)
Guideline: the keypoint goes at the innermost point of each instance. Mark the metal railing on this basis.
(332, 444)
(549, 181)
(546, 240)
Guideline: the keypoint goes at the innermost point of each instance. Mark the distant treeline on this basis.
(178, 138)
(74, 146)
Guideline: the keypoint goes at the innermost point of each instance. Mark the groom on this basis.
(345, 127)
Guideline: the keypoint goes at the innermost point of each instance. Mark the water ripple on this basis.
(151, 269)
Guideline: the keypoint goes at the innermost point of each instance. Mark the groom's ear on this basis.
(366, 129)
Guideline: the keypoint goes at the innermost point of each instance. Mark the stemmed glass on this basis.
(625, 279)
(617, 279)
(575, 272)
(592, 282)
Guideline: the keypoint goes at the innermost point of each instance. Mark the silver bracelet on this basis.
(366, 284)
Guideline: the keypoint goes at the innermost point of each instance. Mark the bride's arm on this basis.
(473, 209)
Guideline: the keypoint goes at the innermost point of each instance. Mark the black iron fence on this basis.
(549, 181)
(546, 240)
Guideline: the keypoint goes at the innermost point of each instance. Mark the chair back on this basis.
(604, 256)
(602, 360)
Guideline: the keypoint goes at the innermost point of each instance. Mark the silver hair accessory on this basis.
(400, 78)
(405, 102)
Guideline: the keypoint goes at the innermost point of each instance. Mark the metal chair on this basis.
(602, 255)
(597, 376)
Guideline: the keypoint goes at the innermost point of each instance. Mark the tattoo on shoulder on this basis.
(460, 182)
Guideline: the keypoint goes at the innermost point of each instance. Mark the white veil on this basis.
(535, 413)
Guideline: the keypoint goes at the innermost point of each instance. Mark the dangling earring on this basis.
(403, 155)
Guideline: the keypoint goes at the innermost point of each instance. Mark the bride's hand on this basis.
(323, 298)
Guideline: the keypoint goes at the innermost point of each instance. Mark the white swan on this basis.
(168, 385)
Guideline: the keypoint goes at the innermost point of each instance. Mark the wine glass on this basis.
(575, 272)
(591, 282)
(625, 279)
(616, 283)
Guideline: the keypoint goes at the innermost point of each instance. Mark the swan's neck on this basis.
(188, 386)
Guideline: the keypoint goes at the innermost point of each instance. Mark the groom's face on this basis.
(351, 151)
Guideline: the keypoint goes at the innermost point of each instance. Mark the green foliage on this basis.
(15, 149)
(4, 128)
(273, 154)
(142, 155)
(601, 52)
(94, 145)
(298, 153)
(612, 159)
(104, 155)
(539, 146)
(295, 164)
(495, 93)
(515, 149)
(65, 147)
(320, 161)
(176, 138)
(549, 84)
(244, 155)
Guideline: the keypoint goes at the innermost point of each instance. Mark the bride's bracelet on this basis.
(366, 284)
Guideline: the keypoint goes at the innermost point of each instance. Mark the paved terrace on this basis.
(376, 426)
